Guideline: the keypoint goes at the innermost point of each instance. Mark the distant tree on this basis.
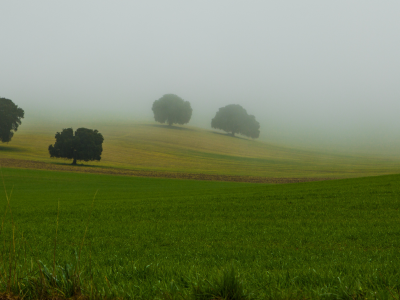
(10, 119)
(87, 144)
(172, 109)
(234, 119)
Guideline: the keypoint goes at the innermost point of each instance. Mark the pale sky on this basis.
(310, 71)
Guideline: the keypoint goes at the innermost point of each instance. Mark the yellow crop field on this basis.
(185, 149)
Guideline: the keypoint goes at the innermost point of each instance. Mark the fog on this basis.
(314, 73)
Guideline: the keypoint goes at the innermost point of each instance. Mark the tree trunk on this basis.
(233, 133)
(74, 162)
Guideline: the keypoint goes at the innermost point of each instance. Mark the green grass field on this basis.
(154, 147)
(153, 238)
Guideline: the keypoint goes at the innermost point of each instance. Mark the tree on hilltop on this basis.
(10, 119)
(172, 109)
(85, 145)
(234, 119)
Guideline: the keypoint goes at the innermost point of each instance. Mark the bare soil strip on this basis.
(29, 164)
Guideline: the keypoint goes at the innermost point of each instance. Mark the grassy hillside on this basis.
(186, 149)
(159, 238)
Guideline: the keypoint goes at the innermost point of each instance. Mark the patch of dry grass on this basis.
(181, 149)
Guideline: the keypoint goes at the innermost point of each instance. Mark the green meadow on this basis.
(152, 238)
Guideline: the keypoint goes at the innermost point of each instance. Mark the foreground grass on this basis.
(155, 147)
(174, 239)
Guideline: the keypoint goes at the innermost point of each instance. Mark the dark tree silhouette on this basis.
(234, 119)
(10, 119)
(85, 145)
(172, 109)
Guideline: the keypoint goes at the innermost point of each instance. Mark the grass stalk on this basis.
(55, 242)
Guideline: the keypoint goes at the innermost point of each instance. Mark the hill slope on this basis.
(153, 147)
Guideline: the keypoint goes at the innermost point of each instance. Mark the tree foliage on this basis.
(234, 118)
(10, 119)
(172, 109)
(86, 144)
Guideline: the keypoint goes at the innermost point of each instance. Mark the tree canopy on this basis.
(234, 119)
(10, 119)
(86, 145)
(172, 109)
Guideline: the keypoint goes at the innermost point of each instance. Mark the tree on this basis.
(10, 119)
(85, 145)
(234, 118)
(172, 109)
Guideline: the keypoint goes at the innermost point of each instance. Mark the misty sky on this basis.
(308, 70)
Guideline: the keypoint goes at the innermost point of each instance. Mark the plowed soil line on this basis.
(29, 164)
